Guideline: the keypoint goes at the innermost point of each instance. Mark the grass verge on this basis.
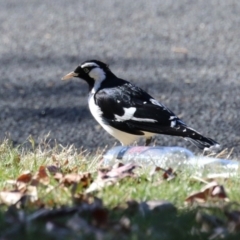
(43, 196)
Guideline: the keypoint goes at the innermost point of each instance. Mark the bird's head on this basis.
(93, 72)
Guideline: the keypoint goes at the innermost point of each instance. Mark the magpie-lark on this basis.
(127, 112)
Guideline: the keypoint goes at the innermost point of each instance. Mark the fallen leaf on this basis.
(121, 171)
(41, 176)
(199, 197)
(98, 185)
(42, 173)
(17, 186)
(71, 178)
(219, 192)
(169, 174)
(58, 176)
(21, 187)
(25, 177)
(33, 193)
(10, 198)
(108, 177)
(85, 179)
(212, 191)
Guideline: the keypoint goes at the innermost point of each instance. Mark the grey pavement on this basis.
(185, 53)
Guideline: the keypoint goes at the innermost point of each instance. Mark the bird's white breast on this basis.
(95, 110)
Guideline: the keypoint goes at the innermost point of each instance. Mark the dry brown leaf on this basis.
(121, 171)
(117, 165)
(71, 178)
(41, 176)
(85, 179)
(219, 192)
(33, 193)
(199, 197)
(154, 170)
(215, 190)
(108, 177)
(10, 198)
(58, 176)
(21, 187)
(42, 173)
(25, 177)
(212, 191)
(15, 186)
(169, 174)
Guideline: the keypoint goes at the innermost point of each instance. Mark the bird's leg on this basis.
(148, 141)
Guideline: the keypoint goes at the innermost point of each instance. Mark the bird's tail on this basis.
(200, 141)
(204, 143)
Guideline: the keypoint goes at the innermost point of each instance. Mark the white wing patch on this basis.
(173, 123)
(128, 115)
(143, 119)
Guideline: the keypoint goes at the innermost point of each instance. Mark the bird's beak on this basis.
(70, 75)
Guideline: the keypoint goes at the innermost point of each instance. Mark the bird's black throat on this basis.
(90, 82)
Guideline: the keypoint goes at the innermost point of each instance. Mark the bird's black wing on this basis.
(130, 109)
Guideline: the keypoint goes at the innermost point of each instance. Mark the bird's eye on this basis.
(86, 70)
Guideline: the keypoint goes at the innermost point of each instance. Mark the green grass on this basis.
(122, 203)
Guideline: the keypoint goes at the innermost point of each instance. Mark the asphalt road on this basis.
(185, 53)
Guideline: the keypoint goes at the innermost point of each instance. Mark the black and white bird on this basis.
(127, 112)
